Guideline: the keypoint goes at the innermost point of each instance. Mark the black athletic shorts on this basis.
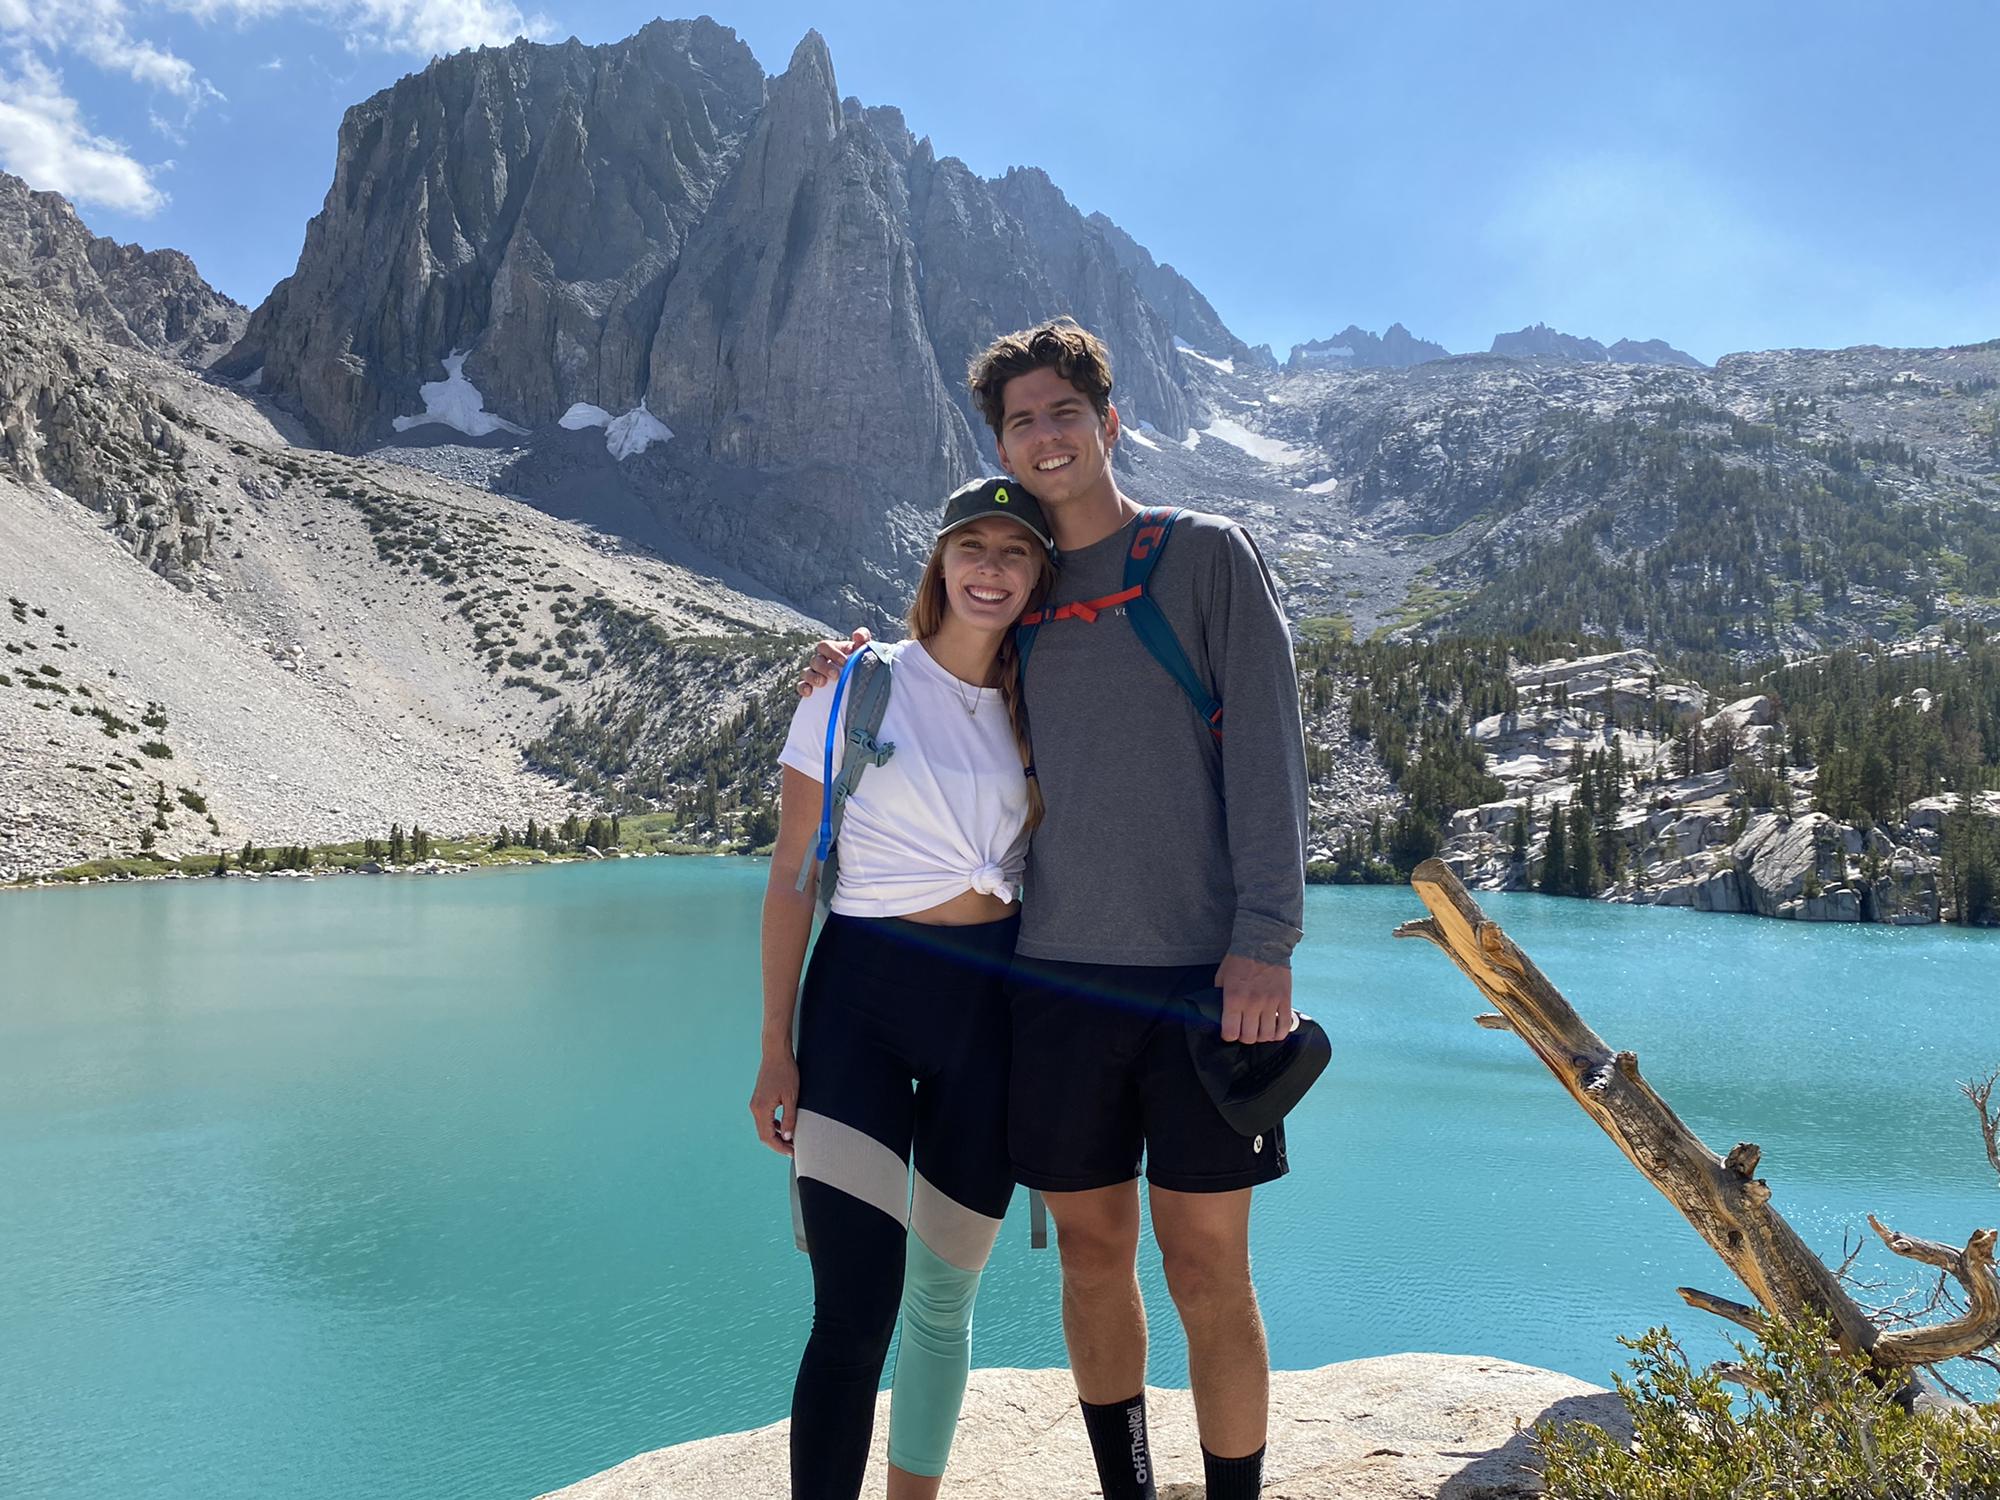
(1103, 1080)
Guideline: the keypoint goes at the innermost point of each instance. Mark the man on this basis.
(1171, 859)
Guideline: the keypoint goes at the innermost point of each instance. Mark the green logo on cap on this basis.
(1000, 495)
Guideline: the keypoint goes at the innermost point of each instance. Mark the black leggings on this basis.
(903, 1051)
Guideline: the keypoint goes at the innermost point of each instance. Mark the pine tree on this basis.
(502, 839)
(532, 839)
(1555, 858)
(1583, 878)
(396, 842)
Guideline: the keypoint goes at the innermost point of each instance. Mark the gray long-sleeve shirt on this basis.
(1161, 845)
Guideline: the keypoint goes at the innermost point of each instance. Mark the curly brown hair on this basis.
(1062, 345)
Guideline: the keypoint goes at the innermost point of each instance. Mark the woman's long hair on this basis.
(927, 612)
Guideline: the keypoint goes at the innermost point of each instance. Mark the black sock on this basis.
(1118, 1443)
(1233, 1478)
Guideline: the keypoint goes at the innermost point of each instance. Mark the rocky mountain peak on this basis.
(1652, 352)
(1543, 342)
(781, 287)
(1357, 349)
(804, 98)
(140, 299)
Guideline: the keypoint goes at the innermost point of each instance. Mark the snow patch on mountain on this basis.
(583, 415)
(624, 436)
(1269, 449)
(455, 402)
(1226, 366)
(634, 432)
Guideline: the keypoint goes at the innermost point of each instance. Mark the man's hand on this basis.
(774, 1103)
(1256, 1000)
(827, 659)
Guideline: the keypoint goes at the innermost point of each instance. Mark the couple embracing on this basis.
(1001, 990)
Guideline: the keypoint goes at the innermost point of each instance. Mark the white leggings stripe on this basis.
(954, 1233)
(853, 1161)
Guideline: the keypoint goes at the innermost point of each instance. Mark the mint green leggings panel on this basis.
(932, 1360)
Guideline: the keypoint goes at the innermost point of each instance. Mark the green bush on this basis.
(1812, 1424)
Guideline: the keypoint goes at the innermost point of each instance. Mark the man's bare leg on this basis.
(903, 1485)
(1205, 1243)
(1104, 1319)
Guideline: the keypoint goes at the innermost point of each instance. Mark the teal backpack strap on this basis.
(1149, 540)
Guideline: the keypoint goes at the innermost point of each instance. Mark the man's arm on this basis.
(1264, 789)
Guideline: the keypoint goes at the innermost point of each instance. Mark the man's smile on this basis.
(1050, 465)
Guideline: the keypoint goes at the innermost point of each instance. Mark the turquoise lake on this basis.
(446, 1187)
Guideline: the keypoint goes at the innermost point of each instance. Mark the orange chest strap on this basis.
(1086, 610)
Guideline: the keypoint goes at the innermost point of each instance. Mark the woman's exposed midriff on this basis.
(966, 909)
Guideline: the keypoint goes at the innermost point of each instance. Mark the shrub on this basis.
(1814, 1423)
(156, 750)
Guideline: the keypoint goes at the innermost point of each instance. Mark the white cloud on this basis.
(45, 138)
(96, 31)
(44, 141)
(275, 65)
(422, 27)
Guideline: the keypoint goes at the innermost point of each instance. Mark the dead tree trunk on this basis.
(1722, 1197)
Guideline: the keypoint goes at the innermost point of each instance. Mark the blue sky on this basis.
(1724, 176)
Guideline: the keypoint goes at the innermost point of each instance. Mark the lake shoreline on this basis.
(52, 881)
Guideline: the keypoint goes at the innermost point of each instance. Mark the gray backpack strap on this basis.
(873, 677)
(1038, 1220)
(869, 693)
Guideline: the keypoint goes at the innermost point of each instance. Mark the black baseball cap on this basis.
(995, 497)
(1253, 1084)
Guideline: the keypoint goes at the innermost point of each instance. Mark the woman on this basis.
(905, 989)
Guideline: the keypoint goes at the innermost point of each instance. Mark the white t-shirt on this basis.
(946, 813)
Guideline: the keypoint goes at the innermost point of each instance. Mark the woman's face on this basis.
(991, 567)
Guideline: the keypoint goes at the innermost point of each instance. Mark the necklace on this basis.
(978, 696)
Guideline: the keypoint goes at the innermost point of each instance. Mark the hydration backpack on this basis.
(1149, 540)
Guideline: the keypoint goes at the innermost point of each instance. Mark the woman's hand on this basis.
(828, 658)
(774, 1102)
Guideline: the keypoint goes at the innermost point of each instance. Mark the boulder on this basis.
(1776, 856)
(1399, 1427)
(1840, 904)
(1906, 893)
(1721, 890)
(1931, 812)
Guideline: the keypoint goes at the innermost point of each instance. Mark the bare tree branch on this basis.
(1980, 1092)
(1722, 1198)
(1749, 1317)
(1977, 1328)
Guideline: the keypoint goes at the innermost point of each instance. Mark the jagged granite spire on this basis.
(526, 203)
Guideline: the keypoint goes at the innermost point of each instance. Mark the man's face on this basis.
(1051, 438)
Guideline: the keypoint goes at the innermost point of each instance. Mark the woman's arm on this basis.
(788, 917)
